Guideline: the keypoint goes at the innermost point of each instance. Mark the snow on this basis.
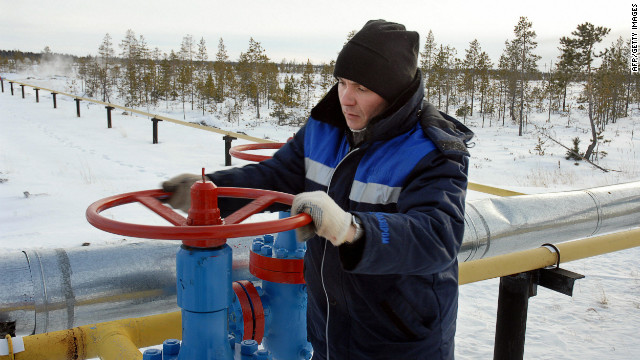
(53, 165)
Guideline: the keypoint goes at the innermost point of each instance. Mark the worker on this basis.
(383, 175)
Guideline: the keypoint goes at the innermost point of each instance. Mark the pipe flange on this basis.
(283, 271)
(253, 318)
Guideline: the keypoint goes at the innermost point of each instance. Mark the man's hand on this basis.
(329, 220)
(180, 186)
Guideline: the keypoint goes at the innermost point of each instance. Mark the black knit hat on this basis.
(382, 56)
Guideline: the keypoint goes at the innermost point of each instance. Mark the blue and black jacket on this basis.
(393, 293)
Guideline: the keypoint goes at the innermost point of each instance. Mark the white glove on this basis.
(180, 186)
(329, 220)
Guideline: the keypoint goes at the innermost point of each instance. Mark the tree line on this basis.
(512, 88)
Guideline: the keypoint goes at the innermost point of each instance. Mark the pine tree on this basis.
(427, 60)
(610, 85)
(567, 67)
(574, 154)
(221, 68)
(47, 55)
(186, 71)
(584, 39)
(165, 77)
(270, 83)
(326, 76)
(147, 73)
(470, 65)
(350, 36)
(308, 82)
(484, 67)
(251, 69)
(444, 74)
(508, 72)
(130, 80)
(202, 73)
(105, 60)
(525, 43)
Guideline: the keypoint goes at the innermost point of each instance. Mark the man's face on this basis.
(359, 104)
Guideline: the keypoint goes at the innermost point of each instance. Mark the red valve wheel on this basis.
(238, 151)
(214, 235)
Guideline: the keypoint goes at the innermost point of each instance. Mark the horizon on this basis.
(284, 30)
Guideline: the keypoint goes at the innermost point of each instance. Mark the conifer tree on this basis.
(147, 73)
(251, 70)
(444, 70)
(326, 76)
(583, 42)
(427, 59)
(525, 43)
(308, 82)
(105, 60)
(472, 55)
(270, 83)
(567, 67)
(610, 84)
(350, 36)
(165, 79)
(223, 72)
(201, 74)
(186, 71)
(130, 79)
(484, 67)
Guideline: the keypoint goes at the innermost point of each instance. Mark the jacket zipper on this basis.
(326, 295)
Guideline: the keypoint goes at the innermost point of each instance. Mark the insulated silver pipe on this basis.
(497, 226)
(55, 289)
(45, 290)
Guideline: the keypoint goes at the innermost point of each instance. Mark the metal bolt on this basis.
(152, 354)
(282, 253)
(256, 246)
(268, 239)
(266, 250)
(248, 347)
(262, 354)
(171, 347)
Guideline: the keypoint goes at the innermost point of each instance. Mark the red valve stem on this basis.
(204, 209)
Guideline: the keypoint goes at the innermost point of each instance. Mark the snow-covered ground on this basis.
(53, 164)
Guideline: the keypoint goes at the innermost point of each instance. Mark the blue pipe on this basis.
(204, 295)
(286, 334)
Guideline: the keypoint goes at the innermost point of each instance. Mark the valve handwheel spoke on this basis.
(166, 213)
(252, 208)
(231, 228)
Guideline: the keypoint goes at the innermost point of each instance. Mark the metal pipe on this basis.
(540, 257)
(113, 340)
(49, 290)
(497, 226)
(45, 290)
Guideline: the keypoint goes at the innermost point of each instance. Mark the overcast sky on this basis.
(295, 29)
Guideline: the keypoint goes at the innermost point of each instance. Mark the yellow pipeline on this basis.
(121, 339)
(522, 261)
(197, 126)
(114, 340)
(492, 190)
